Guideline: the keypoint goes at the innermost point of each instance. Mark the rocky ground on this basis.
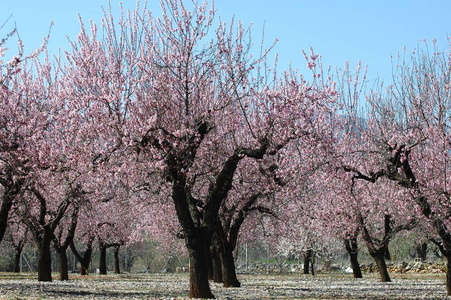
(175, 286)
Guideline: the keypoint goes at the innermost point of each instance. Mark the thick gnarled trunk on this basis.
(353, 250)
(198, 247)
(62, 266)
(223, 249)
(421, 250)
(10, 191)
(379, 258)
(448, 276)
(356, 270)
(44, 232)
(45, 257)
(84, 260)
(7, 202)
(216, 267)
(117, 266)
(379, 250)
(199, 219)
(229, 278)
(102, 260)
(61, 245)
(17, 256)
(307, 258)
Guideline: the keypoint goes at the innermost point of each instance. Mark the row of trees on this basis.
(174, 126)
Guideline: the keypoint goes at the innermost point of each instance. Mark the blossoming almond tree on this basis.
(29, 122)
(51, 154)
(379, 212)
(252, 193)
(408, 130)
(14, 163)
(17, 235)
(179, 94)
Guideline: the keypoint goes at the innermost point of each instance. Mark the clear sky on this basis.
(338, 30)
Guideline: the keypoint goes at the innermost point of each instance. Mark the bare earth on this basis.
(171, 286)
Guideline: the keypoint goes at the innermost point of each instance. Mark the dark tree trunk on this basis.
(229, 278)
(128, 258)
(421, 250)
(353, 250)
(379, 251)
(197, 241)
(117, 269)
(313, 264)
(198, 244)
(84, 264)
(399, 157)
(199, 224)
(387, 255)
(61, 245)
(210, 263)
(45, 258)
(381, 266)
(223, 249)
(44, 232)
(84, 260)
(10, 191)
(215, 265)
(7, 203)
(448, 275)
(307, 256)
(102, 260)
(63, 267)
(19, 248)
(17, 256)
(357, 272)
(227, 230)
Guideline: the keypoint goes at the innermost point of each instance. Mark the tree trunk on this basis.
(313, 264)
(128, 258)
(84, 264)
(84, 260)
(381, 266)
(210, 263)
(45, 258)
(307, 261)
(9, 193)
(61, 245)
(102, 260)
(216, 265)
(117, 269)
(19, 249)
(355, 265)
(197, 245)
(387, 254)
(7, 203)
(421, 250)
(17, 260)
(448, 275)
(379, 252)
(229, 278)
(63, 267)
(353, 250)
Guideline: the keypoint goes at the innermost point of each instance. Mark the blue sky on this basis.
(340, 30)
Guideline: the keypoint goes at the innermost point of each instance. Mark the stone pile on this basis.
(408, 267)
(281, 268)
(393, 267)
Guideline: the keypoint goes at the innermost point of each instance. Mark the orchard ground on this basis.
(333, 285)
